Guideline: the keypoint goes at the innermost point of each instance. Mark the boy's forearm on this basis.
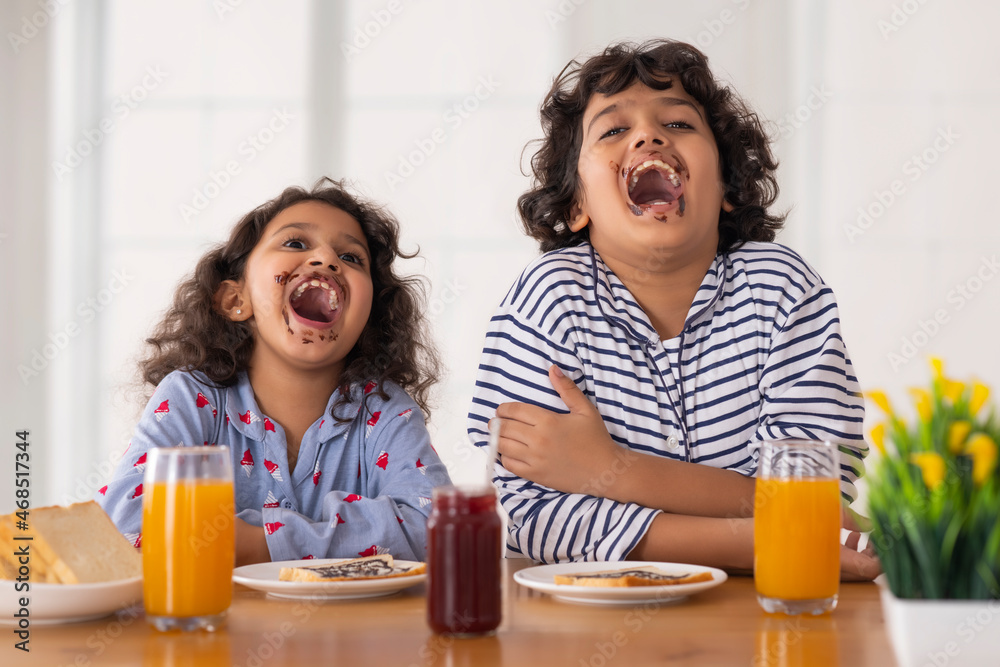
(722, 543)
(675, 486)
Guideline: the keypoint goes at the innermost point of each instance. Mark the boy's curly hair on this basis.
(744, 152)
(394, 344)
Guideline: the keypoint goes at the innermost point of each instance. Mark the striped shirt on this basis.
(760, 357)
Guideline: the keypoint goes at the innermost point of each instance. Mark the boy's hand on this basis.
(567, 452)
(858, 565)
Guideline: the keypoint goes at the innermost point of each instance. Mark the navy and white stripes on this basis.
(760, 356)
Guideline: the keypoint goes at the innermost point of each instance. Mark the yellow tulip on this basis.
(957, 433)
(937, 365)
(980, 392)
(922, 399)
(880, 399)
(932, 468)
(878, 437)
(953, 390)
(983, 451)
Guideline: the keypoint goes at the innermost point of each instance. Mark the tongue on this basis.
(652, 187)
(314, 304)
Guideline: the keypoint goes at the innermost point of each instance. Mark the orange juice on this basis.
(797, 538)
(796, 642)
(188, 539)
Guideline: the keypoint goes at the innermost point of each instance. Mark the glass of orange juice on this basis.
(188, 537)
(797, 527)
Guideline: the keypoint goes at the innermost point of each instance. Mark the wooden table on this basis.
(721, 626)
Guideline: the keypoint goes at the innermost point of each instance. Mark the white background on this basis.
(852, 91)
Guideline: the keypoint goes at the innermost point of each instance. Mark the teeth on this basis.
(638, 171)
(317, 283)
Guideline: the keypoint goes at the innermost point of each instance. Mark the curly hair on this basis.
(394, 344)
(744, 152)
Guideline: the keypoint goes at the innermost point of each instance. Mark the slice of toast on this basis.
(74, 545)
(380, 566)
(647, 575)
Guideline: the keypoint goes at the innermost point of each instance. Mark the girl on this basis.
(636, 367)
(295, 343)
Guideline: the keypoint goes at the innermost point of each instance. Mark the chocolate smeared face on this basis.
(310, 287)
(666, 196)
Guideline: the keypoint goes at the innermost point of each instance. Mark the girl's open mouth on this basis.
(316, 302)
(654, 185)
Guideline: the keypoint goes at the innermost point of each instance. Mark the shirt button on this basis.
(672, 443)
(287, 504)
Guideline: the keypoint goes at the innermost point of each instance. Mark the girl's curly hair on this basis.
(394, 344)
(744, 152)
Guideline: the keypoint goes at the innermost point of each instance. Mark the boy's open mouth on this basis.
(315, 301)
(653, 185)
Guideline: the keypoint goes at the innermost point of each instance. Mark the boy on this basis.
(677, 335)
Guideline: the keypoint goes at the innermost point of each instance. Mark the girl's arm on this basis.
(171, 418)
(575, 454)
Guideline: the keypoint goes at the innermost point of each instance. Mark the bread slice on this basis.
(7, 570)
(647, 575)
(10, 564)
(73, 545)
(380, 566)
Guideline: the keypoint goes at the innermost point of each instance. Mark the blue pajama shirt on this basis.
(358, 488)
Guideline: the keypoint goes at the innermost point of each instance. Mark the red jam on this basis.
(463, 562)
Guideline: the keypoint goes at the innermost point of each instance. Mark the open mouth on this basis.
(653, 183)
(315, 301)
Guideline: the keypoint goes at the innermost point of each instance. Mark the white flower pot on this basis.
(936, 633)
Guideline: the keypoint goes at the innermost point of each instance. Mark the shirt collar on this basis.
(246, 417)
(619, 306)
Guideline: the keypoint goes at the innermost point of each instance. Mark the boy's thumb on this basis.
(571, 395)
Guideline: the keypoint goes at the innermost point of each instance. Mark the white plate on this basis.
(67, 603)
(541, 578)
(264, 577)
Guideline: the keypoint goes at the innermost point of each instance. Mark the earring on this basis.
(238, 311)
